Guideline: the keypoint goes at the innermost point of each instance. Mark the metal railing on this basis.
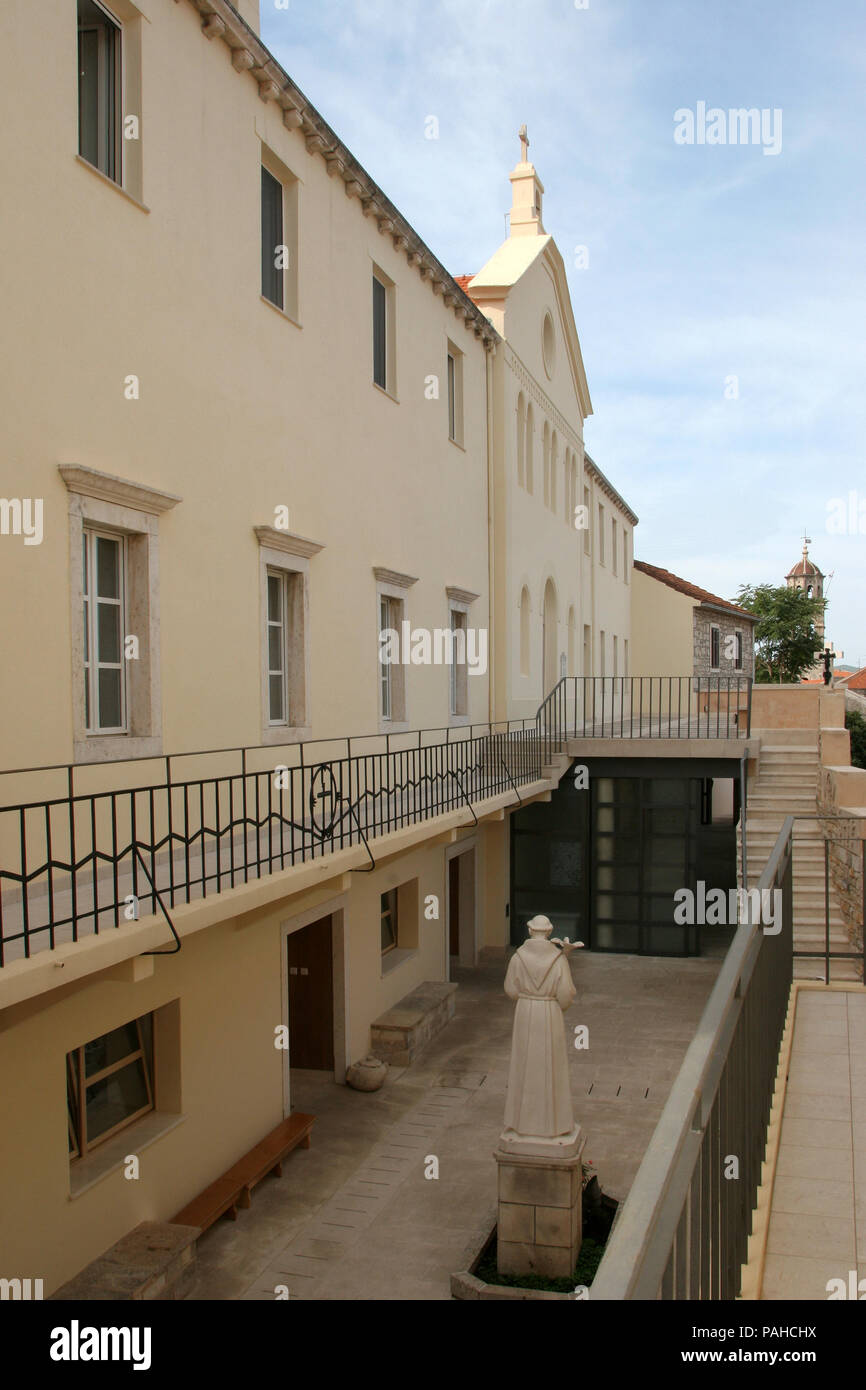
(643, 707)
(683, 1230)
(828, 954)
(73, 862)
(73, 849)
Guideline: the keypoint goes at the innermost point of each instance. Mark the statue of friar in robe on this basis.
(538, 1112)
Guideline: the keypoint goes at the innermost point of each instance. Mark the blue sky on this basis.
(706, 262)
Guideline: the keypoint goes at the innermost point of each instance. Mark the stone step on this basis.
(784, 738)
(814, 970)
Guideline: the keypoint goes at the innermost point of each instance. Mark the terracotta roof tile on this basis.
(683, 586)
(463, 281)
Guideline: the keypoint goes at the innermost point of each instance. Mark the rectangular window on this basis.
(104, 595)
(388, 621)
(273, 244)
(279, 610)
(601, 670)
(615, 657)
(738, 657)
(389, 922)
(99, 89)
(380, 334)
(714, 648)
(625, 565)
(109, 1084)
(613, 547)
(452, 398)
(625, 657)
(454, 374)
(587, 535)
(458, 669)
(600, 534)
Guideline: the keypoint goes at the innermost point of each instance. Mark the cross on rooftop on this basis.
(524, 143)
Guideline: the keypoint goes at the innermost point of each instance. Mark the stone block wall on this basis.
(727, 624)
(845, 838)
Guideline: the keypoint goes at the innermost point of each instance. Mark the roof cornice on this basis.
(249, 55)
(604, 483)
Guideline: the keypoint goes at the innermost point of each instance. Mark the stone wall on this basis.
(727, 624)
(845, 837)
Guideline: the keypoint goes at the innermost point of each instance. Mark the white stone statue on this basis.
(538, 1113)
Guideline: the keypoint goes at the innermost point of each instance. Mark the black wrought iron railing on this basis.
(684, 1228)
(647, 707)
(165, 831)
(86, 848)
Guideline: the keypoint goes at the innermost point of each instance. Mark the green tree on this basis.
(856, 724)
(786, 639)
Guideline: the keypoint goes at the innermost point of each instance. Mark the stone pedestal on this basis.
(540, 1206)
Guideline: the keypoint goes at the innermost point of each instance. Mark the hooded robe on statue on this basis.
(539, 1097)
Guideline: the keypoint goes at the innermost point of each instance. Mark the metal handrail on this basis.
(683, 1229)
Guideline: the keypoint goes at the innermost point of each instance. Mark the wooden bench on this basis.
(233, 1189)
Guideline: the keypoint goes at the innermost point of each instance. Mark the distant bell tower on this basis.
(806, 576)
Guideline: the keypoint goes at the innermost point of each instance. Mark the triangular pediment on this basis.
(528, 270)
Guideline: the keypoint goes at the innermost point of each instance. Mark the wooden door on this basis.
(311, 997)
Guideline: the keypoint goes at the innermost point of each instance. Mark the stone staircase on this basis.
(787, 785)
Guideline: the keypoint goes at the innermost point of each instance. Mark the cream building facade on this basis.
(258, 423)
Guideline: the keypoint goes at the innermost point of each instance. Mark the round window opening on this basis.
(548, 343)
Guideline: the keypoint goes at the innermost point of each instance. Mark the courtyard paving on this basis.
(354, 1216)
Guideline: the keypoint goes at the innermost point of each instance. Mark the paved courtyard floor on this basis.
(354, 1216)
(817, 1229)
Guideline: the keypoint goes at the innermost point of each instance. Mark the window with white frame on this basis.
(104, 586)
(390, 619)
(391, 590)
(281, 603)
(738, 651)
(458, 670)
(284, 569)
(114, 593)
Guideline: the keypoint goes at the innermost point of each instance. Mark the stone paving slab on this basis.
(817, 1229)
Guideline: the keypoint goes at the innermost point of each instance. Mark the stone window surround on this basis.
(460, 601)
(132, 510)
(290, 554)
(392, 584)
(715, 627)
